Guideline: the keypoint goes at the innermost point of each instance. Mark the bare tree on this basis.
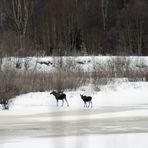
(104, 7)
(21, 10)
(56, 27)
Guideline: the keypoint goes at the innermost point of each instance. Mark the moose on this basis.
(87, 99)
(59, 95)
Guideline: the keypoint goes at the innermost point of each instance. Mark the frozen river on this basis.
(105, 120)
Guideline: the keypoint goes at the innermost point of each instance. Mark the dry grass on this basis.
(13, 83)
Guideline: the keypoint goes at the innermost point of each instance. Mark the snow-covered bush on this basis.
(119, 66)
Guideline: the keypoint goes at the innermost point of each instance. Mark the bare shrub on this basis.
(146, 76)
(139, 73)
(67, 78)
(8, 88)
(15, 83)
(102, 73)
(119, 66)
(1, 61)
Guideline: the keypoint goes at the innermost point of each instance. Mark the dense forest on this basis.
(73, 27)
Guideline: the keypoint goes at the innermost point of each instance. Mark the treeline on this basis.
(73, 27)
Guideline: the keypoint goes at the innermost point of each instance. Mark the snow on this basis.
(86, 63)
(95, 141)
(1, 107)
(115, 94)
(118, 93)
(132, 114)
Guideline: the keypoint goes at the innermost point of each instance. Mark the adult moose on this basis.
(59, 96)
(87, 99)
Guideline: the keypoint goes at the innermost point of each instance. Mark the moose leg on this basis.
(88, 104)
(62, 102)
(66, 102)
(57, 102)
(85, 105)
(91, 104)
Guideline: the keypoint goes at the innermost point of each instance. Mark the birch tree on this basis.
(21, 10)
(104, 8)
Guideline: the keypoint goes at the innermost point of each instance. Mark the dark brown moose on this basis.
(60, 96)
(87, 99)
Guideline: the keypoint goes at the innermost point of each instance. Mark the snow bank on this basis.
(86, 63)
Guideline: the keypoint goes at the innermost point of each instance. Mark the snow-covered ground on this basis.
(100, 141)
(119, 118)
(118, 93)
